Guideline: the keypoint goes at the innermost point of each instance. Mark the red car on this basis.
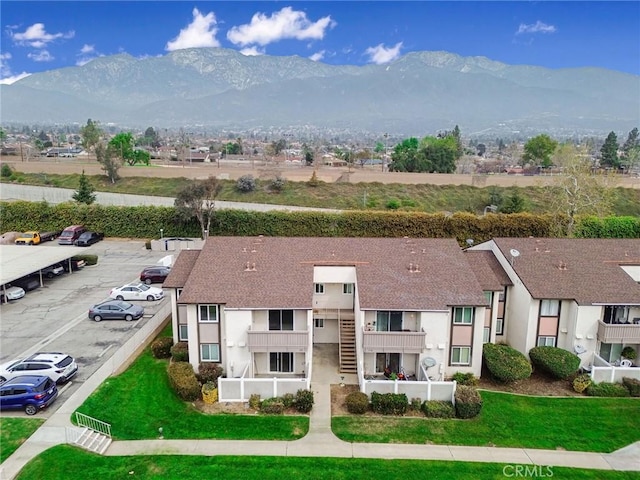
(154, 274)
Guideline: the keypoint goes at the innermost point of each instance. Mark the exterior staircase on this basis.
(91, 434)
(348, 363)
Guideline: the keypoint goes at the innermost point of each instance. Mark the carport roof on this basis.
(16, 261)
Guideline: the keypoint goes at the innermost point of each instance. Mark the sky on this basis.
(45, 35)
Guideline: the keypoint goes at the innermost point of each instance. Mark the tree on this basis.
(578, 191)
(631, 150)
(122, 146)
(482, 148)
(84, 194)
(91, 134)
(609, 152)
(109, 161)
(538, 150)
(405, 156)
(198, 199)
(513, 204)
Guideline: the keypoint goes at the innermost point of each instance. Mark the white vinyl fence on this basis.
(241, 389)
(426, 390)
(603, 371)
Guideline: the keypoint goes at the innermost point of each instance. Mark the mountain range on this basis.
(418, 93)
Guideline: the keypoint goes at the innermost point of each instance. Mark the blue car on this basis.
(30, 393)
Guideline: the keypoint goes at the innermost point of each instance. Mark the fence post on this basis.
(453, 392)
(428, 391)
(275, 387)
(613, 374)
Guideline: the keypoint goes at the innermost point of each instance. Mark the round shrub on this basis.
(161, 347)
(6, 171)
(438, 409)
(468, 402)
(357, 403)
(393, 204)
(304, 401)
(606, 389)
(462, 378)
(183, 381)
(556, 361)
(582, 382)
(209, 393)
(278, 183)
(505, 363)
(254, 401)
(272, 406)
(88, 259)
(246, 184)
(629, 353)
(209, 373)
(180, 352)
(633, 385)
(288, 400)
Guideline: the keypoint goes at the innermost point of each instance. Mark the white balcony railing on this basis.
(396, 342)
(278, 340)
(618, 332)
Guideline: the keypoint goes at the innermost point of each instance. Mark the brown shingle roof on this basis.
(586, 270)
(487, 270)
(283, 275)
(181, 269)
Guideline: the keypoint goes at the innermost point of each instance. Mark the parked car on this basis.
(88, 238)
(36, 238)
(136, 291)
(115, 310)
(71, 234)
(59, 367)
(28, 283)
(154, 274)
(10, 292)
(53, 270)
(75, 265)
(29, 392)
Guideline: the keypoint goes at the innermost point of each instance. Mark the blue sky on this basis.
(46, 35)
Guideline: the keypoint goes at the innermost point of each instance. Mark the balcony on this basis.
(619, 332)
(394, 342)
(278, 340)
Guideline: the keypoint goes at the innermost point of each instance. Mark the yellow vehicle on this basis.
(34, 238)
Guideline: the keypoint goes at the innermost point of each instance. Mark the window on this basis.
(390, 360)
(280, 319)
(347, 288)
(463, 315)
(500, 315)
(178, 292)
(489, 298)
(616, 314)
(544, 341)
(610, 352)
(209, 352)
(319, 287)
(389, 321)
(183, 333)
(499, 326)
(281, 362)
(486, 334)
(208, 313)
(549, 308)
(460, 355)
(319, 322)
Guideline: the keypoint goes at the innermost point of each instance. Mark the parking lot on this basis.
(54, 318)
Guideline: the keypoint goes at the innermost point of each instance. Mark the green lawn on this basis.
(13, 433)
(140, 400)
(576, 423)
(65, 462)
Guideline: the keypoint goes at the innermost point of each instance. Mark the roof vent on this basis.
(244, 250)
(414, 268)
(250, 267)
(562, 265)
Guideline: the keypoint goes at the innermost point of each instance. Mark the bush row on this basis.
(302, 401)
(146, 222)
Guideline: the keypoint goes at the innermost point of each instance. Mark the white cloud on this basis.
(86, 49)
(252, 51)
(538, 27)
(14, 78)
(41, 56)
(316, 57)
(381, 54)
(5, 70)
(37, 37)
(287, 23)
(201, 32)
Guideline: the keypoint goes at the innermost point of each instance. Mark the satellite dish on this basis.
(579, 349)
(514, 252)
(428, 362)
(470, 241)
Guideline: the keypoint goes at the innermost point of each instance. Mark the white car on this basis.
(59, 367)
(9, 292)
(136, 291)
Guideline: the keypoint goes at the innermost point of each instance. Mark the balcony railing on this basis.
(618, 332)
(278, 340)
(394, 342)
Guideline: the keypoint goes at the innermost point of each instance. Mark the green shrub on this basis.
(288, 400)
(438, 409)
(558, 362)
(505, 363)
(277, 184)
(6, 171)
(415, 405)
(272, 406)
(183, 381)
(468, 402)
(389, 403)
(88, 259)
(582, 382)
(628, 353)
(357, 403)
(393, 204)
(462, 378)
(304, 401)
(180, 352)
(209, 372)
(633, 385)
(161, 347)
(606, 389)
(246, 184)
(254, 401)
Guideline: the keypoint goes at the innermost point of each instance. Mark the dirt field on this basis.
(290, 172)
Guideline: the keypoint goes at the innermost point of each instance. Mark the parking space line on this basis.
(58, 333)
(105, 350)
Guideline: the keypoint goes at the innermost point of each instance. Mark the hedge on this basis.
(558, 362)
(438, 409)
(161, 347)
(468, 402)
(606, 389)
(633, 385)
(505, 363)
(183, 381)
(389, 403)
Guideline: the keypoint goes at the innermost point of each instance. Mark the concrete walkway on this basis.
(319, 442)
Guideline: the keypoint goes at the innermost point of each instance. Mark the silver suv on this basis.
(59, 367)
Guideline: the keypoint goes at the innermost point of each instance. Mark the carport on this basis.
(17, 261)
